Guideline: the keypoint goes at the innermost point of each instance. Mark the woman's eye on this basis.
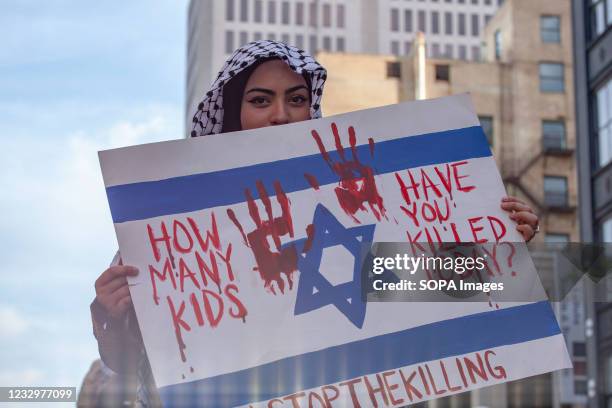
(259, 100)
(298, 99)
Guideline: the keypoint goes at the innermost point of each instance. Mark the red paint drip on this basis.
(178, 324)
(371, 143)
(310, 230)
(312, 180)
(232, 216)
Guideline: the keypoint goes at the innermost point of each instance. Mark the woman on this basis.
(264, 83)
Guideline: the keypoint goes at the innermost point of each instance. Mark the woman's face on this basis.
(274, 95)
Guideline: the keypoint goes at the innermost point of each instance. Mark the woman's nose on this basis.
(279, 114)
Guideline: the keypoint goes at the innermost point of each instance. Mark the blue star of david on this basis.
(314, 290)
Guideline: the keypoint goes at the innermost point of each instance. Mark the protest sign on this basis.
(248, 245)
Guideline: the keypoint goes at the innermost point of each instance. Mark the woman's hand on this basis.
(112, 290)
(523, 215)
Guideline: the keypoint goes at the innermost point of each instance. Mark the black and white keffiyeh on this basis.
(209, 117)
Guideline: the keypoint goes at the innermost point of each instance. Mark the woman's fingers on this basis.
(510, 199)
(117, 295)
(526, 231)
(113, 285)
(115, 272)
(524, 217)
(123, 305)
(112, 290)
(515, 206)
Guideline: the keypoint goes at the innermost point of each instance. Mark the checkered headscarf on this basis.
(209, 117)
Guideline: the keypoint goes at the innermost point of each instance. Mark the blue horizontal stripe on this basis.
(138, 201)
(420, 344)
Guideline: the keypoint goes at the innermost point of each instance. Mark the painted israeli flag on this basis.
(249, 250)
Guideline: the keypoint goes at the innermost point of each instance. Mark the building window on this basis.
(462, 52)
(604, 122)
(579, 368)
(299, 13)
(421, 22)
(408, 21)
(552, 78)
(327, 43)
(258, 15)
(229, 42)
(285, 38)
(461, 24)
(487, 2)
(435, 50)
(340, 47)
(299, 41)
(229, 10)
(608, 378)
(313, 14)
(552, 238)
(326, 15)
(244, 38)
(448, 23)
(579, 349)
(555, 191)
(272, 12)
(271, 36)
(486, 122)
(407, 47)
(580, 388)
(474, 1)
(244, 10)
(340, 15)
(312, 44)
(488, 18)
(442, 72)
(498, 45)
(448, 51)
(394, 19)
(475, 25)
(393, 69)
(550, 29)
(475, 53)
(606, 230)
(553, 135)
(598, 18)
(435, 22)
(257, 36)
(395, 47)
(285, 12)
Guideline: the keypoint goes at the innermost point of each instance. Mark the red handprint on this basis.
(357, 185)
(271, 264)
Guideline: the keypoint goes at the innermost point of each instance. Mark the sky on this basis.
(76, 77)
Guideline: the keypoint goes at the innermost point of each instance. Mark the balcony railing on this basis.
(555, 145)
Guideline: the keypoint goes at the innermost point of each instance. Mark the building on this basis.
(523, 96)
(522, 89)
(593, 81)
(218, 27)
